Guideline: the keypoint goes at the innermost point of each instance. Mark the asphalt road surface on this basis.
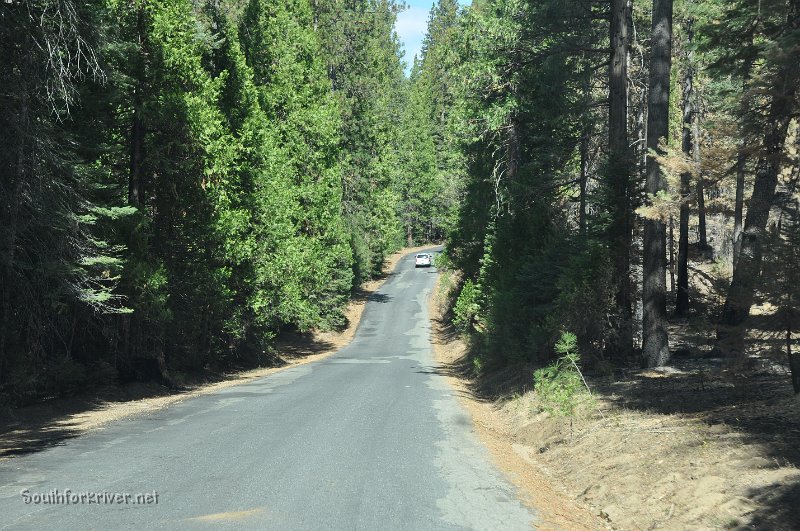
(370, 438)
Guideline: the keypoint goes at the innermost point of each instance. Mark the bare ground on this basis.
(35, 427)
(687, 447)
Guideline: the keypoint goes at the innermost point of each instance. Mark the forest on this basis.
(183, 181)
(629, 176)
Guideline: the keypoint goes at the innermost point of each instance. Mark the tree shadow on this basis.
(379, 297)
(492, 384)
(52, 422)
(757, 405)
(780, 504)
(364, 295)
(296, 345)
(32, 438)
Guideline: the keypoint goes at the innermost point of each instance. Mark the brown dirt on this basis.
(31, 428)
(686, 447)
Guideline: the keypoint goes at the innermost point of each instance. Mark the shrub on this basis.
(559, 386)
(466, 308)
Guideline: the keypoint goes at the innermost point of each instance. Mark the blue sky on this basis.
(411, 25)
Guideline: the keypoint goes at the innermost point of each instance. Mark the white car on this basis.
(422, 260)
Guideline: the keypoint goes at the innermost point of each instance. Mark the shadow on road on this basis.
(54, 421)
(51, 422)
(380, 297)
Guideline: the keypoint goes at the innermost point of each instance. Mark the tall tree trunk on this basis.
(655, 344)
(584, 177)
(701, 191)
(741, 163)
(135, 176)
(738, 209)
(671, 253)
(135, 185)
(620, 169)
(794, 357)
(791, 290)
(687, 143)
(794, 364)
(731, 327)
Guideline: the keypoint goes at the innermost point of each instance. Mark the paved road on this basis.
(370, 438)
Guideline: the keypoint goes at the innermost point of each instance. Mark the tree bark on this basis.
(794, 363)
(671, 253)
(619, 169)
(738, 209)
(584, 177)
(687, 143)
(731, 327)
(135, 176)
(655, 344)
(135, 185)
(701, 196)
(794, 357)
(741, 167)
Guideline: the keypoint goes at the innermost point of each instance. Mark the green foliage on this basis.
(361, 53)
(477, 365)
(197, 178)
(466, 307)
(519, 111)
(559, 386)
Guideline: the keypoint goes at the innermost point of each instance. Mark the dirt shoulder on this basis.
(669, 449)
(31, 428)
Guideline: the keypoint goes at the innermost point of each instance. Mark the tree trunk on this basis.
(701, 204)
(655, 344)
(794, 363)
(794, 357)
(738, 209)
(687, 143)
(135, 184)
(731, 327)
(135, 188)
(619, 169)
(618, 81)
(741, 167)
(701, 183)
(584, 152)
(672, 253)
